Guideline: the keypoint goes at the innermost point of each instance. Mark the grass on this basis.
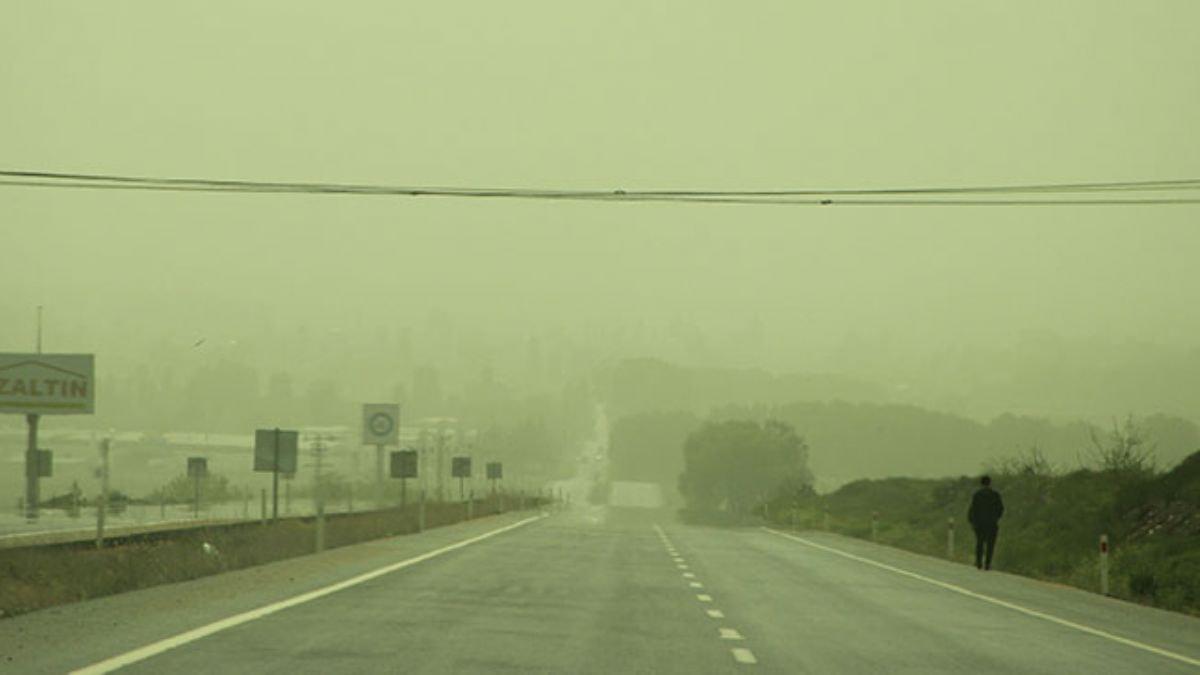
(36, 577)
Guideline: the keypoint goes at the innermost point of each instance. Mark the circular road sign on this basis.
(381, 424)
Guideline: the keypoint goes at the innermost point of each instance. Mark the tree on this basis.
(1125, 450)
(737, 463)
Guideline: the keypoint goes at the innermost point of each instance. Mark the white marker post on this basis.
(874, 526)
(1104, 564)
(826, 518)
(950, 538)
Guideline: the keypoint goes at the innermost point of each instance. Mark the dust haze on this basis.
(205, 308)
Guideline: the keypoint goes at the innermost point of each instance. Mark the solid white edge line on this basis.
(153, 649)
(997, 601)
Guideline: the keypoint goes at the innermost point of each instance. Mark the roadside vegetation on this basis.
(1053, 517)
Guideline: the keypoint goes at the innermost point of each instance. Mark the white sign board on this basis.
(47, 384)
(381, 424)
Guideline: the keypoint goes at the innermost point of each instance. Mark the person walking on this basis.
(984, 516)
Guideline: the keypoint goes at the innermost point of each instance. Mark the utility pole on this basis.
(32, 491)
(441, 463)
(319, 491)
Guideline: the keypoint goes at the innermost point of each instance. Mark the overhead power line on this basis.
(1183, 191)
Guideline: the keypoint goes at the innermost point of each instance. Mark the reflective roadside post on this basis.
(950, 538)
(1104, 564)
(874, 526)
(826, 518)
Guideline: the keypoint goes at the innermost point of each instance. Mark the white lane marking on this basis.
(696, 584)
(997, 601)
(743, 655)
(716, 613)
(682, 566)
(704, 598)
(677, 559)
(156, 648)
(730, 634)
(689, 575)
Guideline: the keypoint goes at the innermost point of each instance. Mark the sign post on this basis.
(44, 384)
(495, 471)
(275, 451)
(403, 466)
(460, 468)
(102, 503)
(197, 470)
(381, 428)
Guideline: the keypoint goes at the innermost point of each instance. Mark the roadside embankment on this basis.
(34, 577)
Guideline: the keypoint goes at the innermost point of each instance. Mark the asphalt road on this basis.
(598, 590)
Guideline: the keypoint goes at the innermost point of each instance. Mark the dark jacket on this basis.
(986, 508)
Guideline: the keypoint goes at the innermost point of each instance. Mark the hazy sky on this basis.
(603, 95)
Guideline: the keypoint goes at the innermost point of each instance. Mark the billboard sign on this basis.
(381, 424)
(404, 464)
(47, 384)
(197, 467)
(265, 448)
(495, 470)
(460, 467)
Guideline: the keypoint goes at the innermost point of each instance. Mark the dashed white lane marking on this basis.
(716, 613)
(682, 566)
(704, 598)
(155, 648)
(696, 584)
(689, 575)
(743, 655)
(678, 559)
(730, 634)
(996, 601)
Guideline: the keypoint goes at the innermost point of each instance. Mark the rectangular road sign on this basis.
(460, 467)
(47, 384)
(495, 470)
(381, 424)
(197, 467)
(404, 464)
(264, 450)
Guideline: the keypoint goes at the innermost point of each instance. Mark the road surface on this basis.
(600, 590)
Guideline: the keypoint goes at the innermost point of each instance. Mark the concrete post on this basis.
(264, 505)
(471, 505)
(874, 526)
